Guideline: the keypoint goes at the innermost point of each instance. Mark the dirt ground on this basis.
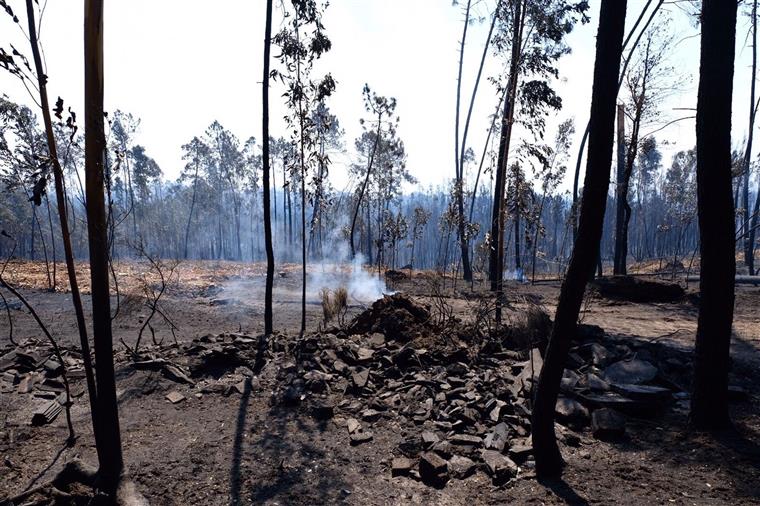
(241, 447)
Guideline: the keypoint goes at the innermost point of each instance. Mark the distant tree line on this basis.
(213, 210)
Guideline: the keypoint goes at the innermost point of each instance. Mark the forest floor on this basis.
(233, 440)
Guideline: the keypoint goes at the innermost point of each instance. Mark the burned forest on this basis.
(236, 266)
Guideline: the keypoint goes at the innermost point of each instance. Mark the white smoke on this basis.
(362, 285)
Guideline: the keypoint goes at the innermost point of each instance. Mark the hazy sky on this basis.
(180, 64)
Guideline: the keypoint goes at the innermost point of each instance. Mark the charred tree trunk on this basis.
(265, 176)
(60, 196)
(709, 403)
(518, 260)
(459, 159)
(749, 249)
(585, 250)
(108, 441)
(364, 188)
(617, 268)
(192, 207)
(620, 82)
(496, 259)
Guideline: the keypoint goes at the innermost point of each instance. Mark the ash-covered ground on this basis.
(415, 398)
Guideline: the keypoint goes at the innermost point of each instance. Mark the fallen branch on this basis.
(10, 320)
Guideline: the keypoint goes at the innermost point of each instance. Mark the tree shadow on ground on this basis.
(277, 456)
(668, 439)
(563, 490)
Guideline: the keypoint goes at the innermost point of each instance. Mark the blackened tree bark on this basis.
(496, 259)
(265, 176)
(363, 189)
(60, 196)
(620, 195)
(749, 249)
(601, 132)
(459, 160)
(709, 403)
(108, 442)
(584, 138)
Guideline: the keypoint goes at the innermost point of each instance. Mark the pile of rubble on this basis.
(34, 370)
(469, 410)
(463, 408)
(397, 316)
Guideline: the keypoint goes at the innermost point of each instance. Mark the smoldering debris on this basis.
(362, 285)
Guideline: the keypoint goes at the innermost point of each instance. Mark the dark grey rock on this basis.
(607, 423)
(631, 372)
(434, 470)
(500, 467)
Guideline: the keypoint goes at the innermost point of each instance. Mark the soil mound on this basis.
(634, 289)
(396, 316)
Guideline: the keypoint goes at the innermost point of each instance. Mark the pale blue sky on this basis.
(180, 64)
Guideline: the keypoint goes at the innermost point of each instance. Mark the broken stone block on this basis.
(466, 440)
(364, 354)
(175, 397)
(461, 467)
(376, 340)
(607, 423)
(521, 449)
(51, 385)
(569, 380)
(498, 438)
(444, 449)
(353, 425)
(600, 356)
(360, 378)
(358, 438)
(371, 415)
(27, 384)
(53, 368)
(10, 376)
(614, 401)
(46, 413)
(594, 382)
(339, 366)
(433, 470)
(499, 466)
(495, 410)
(429, 438)
(401, 466)
(644, 393)
(630, 372)
(571, 412)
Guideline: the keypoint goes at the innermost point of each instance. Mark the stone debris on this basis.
(461, 467)
(632, 372)
(607, 423)
(498, 438)
(46, 413)
(461, 408)
(434, 470)
(499, 466)
(571, 412)
(175, 397)
(360, 437)
(401, 466)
